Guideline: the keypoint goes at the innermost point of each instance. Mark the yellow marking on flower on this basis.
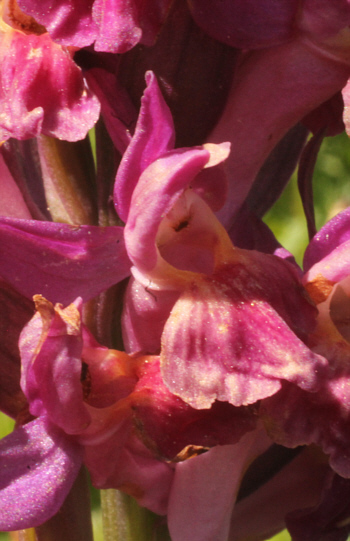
(223, 328)
(34, 53)
(71, 317)
(319, 288)
(190, 451)
(218, 153)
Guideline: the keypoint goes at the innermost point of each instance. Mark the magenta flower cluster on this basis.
(174, 347)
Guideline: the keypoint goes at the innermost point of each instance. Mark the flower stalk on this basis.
(124, 519)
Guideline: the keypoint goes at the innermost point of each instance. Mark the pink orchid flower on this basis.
(42, 90)
(113, 26)
(322, 418)
(106, 409)
(229, 328)
(184, 265)
(80, 394)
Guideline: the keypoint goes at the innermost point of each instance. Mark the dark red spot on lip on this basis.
(21, 21)
(181, 225)
(85, 379)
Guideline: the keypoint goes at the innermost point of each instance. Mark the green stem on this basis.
(124, 520)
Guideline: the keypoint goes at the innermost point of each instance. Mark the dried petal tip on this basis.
(43, 306)
(51, 348)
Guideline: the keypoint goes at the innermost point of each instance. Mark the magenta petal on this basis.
(167, 425)
(124, 23)
(117, 21)
(38, 466)
(332, 234)
(60, 261)
(155, 194)
(212, 187)
(144, 477)
(118, 112)
(51, 349)
(12, 202)
(115, 25)
(333, 268)
(205, 488)
(154, 135)
(69, 22)
(124, 463)
(227, 337)
(42, 90)
(152, 16)
(144, 317)
(294, 418)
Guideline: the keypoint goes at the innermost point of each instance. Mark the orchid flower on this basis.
(79, 393)
(206, 345)
(216, 285)
(86, 400)
(326, 279)
(112, 26)
(107, 409)
(42, 90)
(233, 390)
(294, 418)
(297, 418)
(214, 364)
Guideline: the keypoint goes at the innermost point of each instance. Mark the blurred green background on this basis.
(331, 186)
(286, 219)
